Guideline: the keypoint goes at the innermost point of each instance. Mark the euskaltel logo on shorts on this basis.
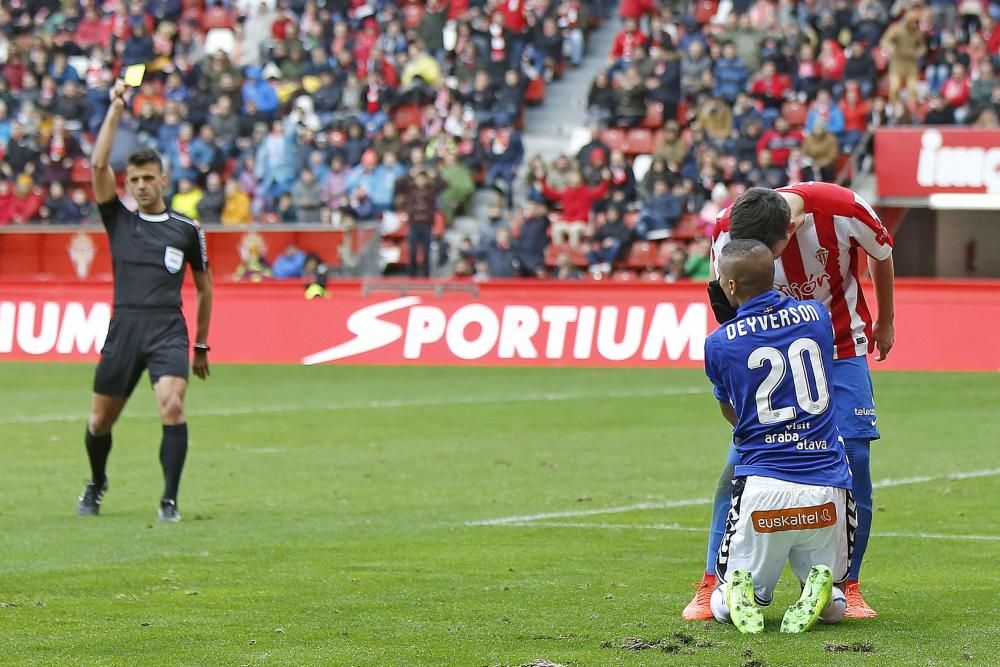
(795, 518)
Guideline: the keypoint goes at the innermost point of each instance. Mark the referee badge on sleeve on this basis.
(173, 259)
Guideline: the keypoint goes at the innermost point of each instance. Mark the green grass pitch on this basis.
(341, 516)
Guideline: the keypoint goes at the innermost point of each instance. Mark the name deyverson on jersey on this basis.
(803, 312)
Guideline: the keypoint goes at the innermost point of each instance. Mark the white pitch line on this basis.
(689, 529)
(530, 519)
(378, 404)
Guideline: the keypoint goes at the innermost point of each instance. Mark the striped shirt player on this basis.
(822, 259)
(832, 228)
(151, 248)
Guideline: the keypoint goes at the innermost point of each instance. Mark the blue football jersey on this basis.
(773, 362)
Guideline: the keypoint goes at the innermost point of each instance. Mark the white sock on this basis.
(719, 608)
(834, 612)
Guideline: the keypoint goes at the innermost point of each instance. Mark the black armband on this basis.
(724, 311)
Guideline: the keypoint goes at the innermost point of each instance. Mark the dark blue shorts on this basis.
(854, 399)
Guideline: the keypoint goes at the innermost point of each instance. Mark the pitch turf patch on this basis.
(679, 642)
(860, 647)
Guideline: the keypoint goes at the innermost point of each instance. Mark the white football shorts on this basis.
(772, 522)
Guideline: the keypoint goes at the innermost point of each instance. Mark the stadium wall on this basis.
(940, 325)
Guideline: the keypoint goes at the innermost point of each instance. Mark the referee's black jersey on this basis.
(149, 253)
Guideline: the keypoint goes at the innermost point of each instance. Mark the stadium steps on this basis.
(548, 128)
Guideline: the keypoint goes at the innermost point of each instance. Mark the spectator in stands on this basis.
(59, 153)
(730, 74)
(939, 112)
(631, 98)
(824, 108)
(983, 89)
(780, 141)
(212, 201)
(290, 263)
(820, 148)
(674, 270)
(595, 144)
(576, 200)
(855, 111)
(236, 210)
(505, 153)
(670, 146)
(859, 68)
(905, 43)
(24, 202)
(307, 196)
(565, 269)
(621, 50)
(533, 239)
(715, 117)
(610, 243)
(185, 200)
(495, 221)
(766, 174)
(58, 208)
(286, 208)
(419, 191)
(6, 203)
(770, 87)
(694, 64)
(335, 184)
(500, 258)
(461, 185)
(622, 178)
(660, 212)
(956, 90)
(697, 266)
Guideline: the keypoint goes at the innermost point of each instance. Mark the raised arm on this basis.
(103, 177)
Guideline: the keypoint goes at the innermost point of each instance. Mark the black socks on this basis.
(173, 451)
(98, 448)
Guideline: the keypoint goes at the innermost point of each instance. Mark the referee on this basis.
(149, 249)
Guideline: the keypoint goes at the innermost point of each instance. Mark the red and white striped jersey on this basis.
(822, 260)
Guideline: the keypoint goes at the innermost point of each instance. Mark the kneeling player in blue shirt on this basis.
(791, 496)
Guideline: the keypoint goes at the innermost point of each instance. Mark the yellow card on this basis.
(133, 75)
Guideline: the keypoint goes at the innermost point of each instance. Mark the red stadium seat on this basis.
(615, 139)
(623, 276)
(654, 116)
(535, 92)
(688, 228)
(795, 113)
(651, 277)
(216, 17)
(80, 173)
(640, 141)
(642, 255)
(683, 109)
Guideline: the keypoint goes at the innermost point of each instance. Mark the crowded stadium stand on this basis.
(403, 126)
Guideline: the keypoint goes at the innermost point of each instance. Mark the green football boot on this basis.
(816, 593)
(743, 610)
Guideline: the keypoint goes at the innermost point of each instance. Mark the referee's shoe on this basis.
(168, 512)
(89, 503)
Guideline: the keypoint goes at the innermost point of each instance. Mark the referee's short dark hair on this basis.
(761, 214)
(145, 156)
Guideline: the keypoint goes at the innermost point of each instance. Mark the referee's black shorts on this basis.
(140, 340)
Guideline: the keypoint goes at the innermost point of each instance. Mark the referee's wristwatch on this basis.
(201, 347)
